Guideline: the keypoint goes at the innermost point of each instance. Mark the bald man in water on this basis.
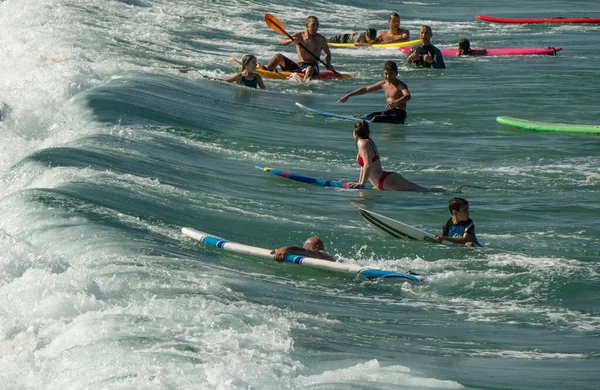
(313, 247)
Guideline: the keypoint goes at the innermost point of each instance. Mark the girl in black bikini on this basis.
(371, 169)
(247, 77)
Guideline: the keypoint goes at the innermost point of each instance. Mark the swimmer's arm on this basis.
(287, 41)
(235, 78)
(363, 90)
(261, 84)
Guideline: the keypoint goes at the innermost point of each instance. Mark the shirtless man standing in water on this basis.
(308, 64)
(395, 33)
(396, 96)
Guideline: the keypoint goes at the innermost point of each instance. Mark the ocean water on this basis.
(107, 151)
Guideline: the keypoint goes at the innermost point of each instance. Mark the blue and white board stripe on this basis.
(329, 114)
(311, 180)
(354, 270)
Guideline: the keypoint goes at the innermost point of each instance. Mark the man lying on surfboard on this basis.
(395, 33)
(313, 247)
(396, 96)
(307, 62)
(359, 39)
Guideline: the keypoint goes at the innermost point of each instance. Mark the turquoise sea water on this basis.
(107, 151)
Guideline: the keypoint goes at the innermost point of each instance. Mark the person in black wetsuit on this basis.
(247, 76)
(396, 96)
(425, 54)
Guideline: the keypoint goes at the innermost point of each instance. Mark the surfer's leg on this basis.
(373, 115)
(284, 63)
(391, 116)
(396, 182)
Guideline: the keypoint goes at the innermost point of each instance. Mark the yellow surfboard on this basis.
(323, 74)
(376, 45)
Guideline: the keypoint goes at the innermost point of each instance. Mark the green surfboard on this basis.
(544, 126)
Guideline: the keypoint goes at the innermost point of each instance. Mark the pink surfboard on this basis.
(504, 51)
(537, 20)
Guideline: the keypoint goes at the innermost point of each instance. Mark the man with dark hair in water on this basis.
(395, 33)
(313, 247)
(425, 54)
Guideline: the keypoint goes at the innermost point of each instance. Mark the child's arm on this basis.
(235, 78)
(464, 240)
(261, 84)
(361, 91)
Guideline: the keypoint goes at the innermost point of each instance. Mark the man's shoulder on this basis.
(399, 83)
(320, 37)
(434, 48)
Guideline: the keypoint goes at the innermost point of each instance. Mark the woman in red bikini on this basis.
(370, 165)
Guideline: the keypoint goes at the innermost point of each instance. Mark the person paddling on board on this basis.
(307, 63)
(370, 165)
(425, 54)
(396, 96)
(313, 247)
(460, 229)
(395, 33)
(247, 76)
(464, 49)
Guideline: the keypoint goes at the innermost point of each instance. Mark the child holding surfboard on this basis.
(459, 229)
(247, 76)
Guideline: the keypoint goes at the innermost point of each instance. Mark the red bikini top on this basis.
(359, 159)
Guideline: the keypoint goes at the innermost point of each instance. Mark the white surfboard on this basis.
(329, 114)
(398, 229)
(354, 270)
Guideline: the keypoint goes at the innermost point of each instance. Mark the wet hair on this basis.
(394, 14)
(246, 60)
(464, 46)
(362, 129)
(428, 29)
(390, 66)
(371, 34)
(311, 17)
(457, 204)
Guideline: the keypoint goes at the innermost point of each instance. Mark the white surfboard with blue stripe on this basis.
(398, 229)
(350, 269)
(329, 114)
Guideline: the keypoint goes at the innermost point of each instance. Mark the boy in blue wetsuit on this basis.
(460, 229)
